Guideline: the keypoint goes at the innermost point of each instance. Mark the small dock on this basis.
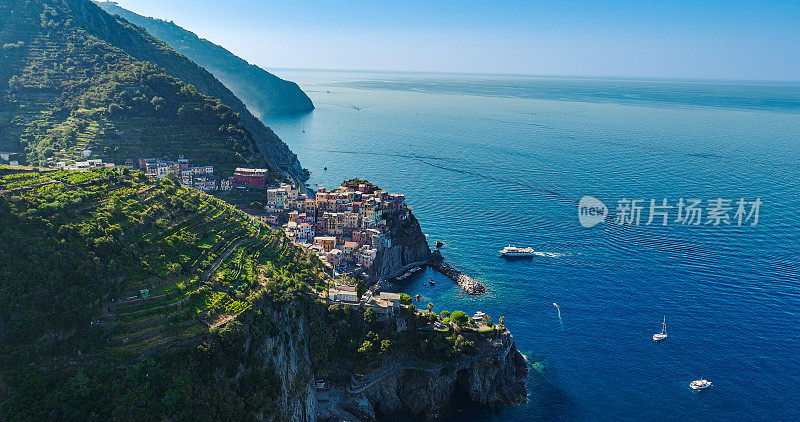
(467, 283)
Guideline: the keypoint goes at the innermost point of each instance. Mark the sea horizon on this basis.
(541, 75)
(501, 211)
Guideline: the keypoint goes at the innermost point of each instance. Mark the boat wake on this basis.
(560, 321)
(549, 254)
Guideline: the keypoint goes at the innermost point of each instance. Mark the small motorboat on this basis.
(663, 334)
(432, 283)
(700, 384)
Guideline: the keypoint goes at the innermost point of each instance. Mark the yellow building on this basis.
(328, 243)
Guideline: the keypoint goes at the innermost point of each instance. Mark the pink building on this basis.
(349, 249)
(334, 257)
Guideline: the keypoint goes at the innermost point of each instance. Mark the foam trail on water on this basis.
(560, 321)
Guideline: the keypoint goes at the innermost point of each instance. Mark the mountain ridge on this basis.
(77, 78)
(263, 92)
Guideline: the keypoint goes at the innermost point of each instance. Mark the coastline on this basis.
(467, 283)
(486, 176)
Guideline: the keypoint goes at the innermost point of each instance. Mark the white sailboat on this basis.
(663, 334)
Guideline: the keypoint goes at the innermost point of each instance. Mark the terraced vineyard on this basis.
(81, 247)
(74, 78)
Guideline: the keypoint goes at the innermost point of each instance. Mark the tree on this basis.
(405, 299)
(361, 288)
(369, 315)
(460, 318)
(445, 314)
(386, 346)
(462, 345)
(502, 321)
(158, 103)
(114, 108)
(430, 307)
(486, 318)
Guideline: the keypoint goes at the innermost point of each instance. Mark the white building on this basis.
(343, 293)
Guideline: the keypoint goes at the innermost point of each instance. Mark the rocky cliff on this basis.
(494, 375)
(285, 349)
(408, 246)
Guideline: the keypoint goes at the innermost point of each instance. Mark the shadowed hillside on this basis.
(263, 92)
(74, 78)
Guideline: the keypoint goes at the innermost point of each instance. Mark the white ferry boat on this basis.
(511, 251)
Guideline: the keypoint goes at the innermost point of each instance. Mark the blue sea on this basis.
(490, 160)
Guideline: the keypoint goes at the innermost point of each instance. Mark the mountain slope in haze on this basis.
(74, 77)
(263, 92)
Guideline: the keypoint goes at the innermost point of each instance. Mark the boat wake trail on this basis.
(545, 192)
(560, 321)
(549, 254)
(427, 160)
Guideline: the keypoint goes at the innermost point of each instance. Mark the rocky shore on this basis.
(409, 248)
(467, 283)
(494, 374)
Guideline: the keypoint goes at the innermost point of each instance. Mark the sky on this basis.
(742, 40)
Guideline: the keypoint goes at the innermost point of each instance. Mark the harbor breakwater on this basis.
(408, 250)
(467, 283)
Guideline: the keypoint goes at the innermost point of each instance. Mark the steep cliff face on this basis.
(408, 247)
(287, 353)
(496, 375)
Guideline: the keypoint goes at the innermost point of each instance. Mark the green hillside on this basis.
(263, 92)
(127, 298)
(73, 77)
(77, 248)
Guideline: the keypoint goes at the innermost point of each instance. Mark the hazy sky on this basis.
(726, 39)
